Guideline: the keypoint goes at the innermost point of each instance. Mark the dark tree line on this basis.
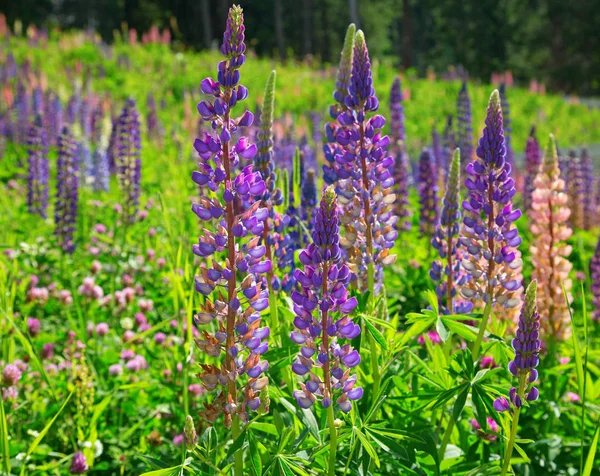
(554, 41)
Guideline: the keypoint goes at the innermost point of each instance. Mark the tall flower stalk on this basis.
(400, 167)
(67, 192)
(128, 160)
(323, 358)
(234, 199)
(549, 215)
(447, 272)
(490, 239)
(527, 346)
(366, 196)
(507, 126)
(464, 124)
(37, 162)
(533, 160)
(428, 194)
(576, 191)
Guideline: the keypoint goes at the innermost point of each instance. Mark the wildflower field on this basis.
(213, 263)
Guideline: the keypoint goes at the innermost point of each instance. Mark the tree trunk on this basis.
(279, 30)
(206, 24)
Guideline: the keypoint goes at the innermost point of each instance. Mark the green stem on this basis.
(236, 431)
(332, 440)
(511, 441)
(372, 343)
(482, 326)
(446, 438)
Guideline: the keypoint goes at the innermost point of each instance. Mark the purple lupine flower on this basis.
(490, 239)
(400, 167)
(464, 124)
(507, 126)
(324, 284)
(96, 124)
(73, 108)
(448, 142)
(22, 106)
(67, 192)
(37, 179)
(441, 168)
(587, 172)
(38, 101)
(128, 158)
(78, 464)
(241, 224)
(595, 276)
(447, 272)
(527, 346)
(533, 160)
(308, 198)
(428, 194)
(366, 188)
(575, 184)
(55, 117)
(85, 118)
(101, 170)
(151, 117)
(331, 170)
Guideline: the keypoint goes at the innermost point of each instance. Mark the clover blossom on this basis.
(533, 160)
(242, 296)
(67, 192)
(128, 160)
(595, 276)
(527, 346)
(324, 283)
(464, 124)
(450, 276)
(37, 176)
(549, 216)
(489, 238)
(428, 190)
(365, 194)
(333, 170)
(400, 167)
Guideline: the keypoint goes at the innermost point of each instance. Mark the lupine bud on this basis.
(67, 191)
(527, 346)
(324, 282)
(400, 167)
(189, 433)
(241, 221)
(464, 126)
(490, 239)
(549, 252)
(447, 272)
(37, 161)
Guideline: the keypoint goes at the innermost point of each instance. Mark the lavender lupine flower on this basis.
(85, 118)
(101, 169)
(55, 118)
(507, 126)
(527, 347)
(533, 160)
(428, 194)
(37, 179)
(308, 200)
(489, 238)
(239, 333)
(67, 192)
(366, 194)
(96, 124)
(464, 124)
(400, 167)
(587, 172)
(447, 272)
(128, 158)
(595, 276)
(78, 464)
(324, 284)
(331, 148)
(576, 190)
(22, 106)
(151, 117)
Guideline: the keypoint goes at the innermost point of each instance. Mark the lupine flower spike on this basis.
(533, 159)
(549, 252)
(400, 167)
(587, 171)
(67, 191)
(428, 194)
(595, 275)
(490, 239)
(241, 297)
(447, 272)
(37, 178)
(465, 127)
(128, 159)
(527, 346)
(576, 191)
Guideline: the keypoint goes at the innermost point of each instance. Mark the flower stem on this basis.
(482, 326)
(332, 440)
(236, 431)
(372, 342)
(511, 441)
(446, 438)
